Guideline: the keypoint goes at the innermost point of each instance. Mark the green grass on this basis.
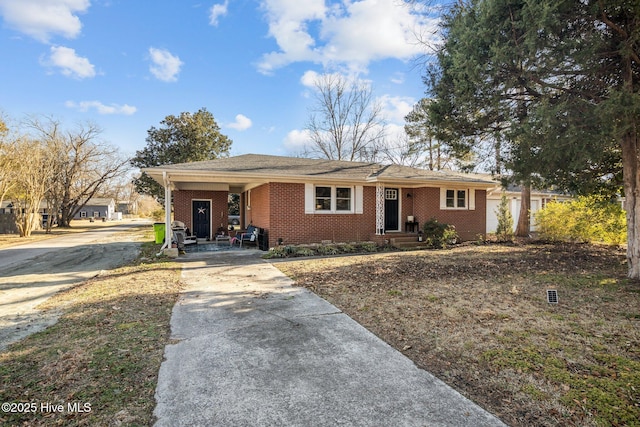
(606, 388)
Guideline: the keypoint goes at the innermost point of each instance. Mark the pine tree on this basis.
(504, 231)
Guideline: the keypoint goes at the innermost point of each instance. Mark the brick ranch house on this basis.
(300, 200)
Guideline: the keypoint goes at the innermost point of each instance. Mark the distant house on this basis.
(539, 199)
(299, 200)
(97, 208)
(7, 217)
(128, 208)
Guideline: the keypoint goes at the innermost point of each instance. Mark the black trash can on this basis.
(263, 240)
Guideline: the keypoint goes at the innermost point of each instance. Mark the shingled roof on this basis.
(296, 168)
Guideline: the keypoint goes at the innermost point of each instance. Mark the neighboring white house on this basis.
(539, 199)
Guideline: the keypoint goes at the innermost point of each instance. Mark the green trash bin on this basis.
(158, 231)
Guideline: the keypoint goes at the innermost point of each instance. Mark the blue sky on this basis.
(127, 64)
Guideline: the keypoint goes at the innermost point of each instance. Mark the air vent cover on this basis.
(552, 296)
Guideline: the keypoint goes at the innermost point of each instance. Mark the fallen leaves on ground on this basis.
(478, 318)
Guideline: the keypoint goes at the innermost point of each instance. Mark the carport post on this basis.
(167, 211)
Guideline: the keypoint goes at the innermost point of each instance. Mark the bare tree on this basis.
(401, 152)
(8, 162)
(83, 165)
(34, 169)
(345, 122)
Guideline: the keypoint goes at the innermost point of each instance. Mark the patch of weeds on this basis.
(580, 281)
(534, 392)
(328, 250)
(305, 252)
(524, 359)
(280, 252)
(369, 247)
(606, 388)
(556, 316)
(347, 248)
(394, 293)
(554, 344)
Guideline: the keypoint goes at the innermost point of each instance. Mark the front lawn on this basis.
(478, 318)
(98, 365)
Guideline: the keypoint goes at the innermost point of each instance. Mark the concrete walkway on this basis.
(251, 350)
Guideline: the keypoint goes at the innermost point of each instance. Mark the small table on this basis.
(223, 239)
(411, 224)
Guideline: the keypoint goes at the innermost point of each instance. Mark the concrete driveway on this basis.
(251, 350)
(33, 272)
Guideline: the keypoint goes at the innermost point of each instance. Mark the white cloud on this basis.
(395, 108)
(216, 11)
(41, 19)
(297, 140)
(70, 63)
(309, 79)
(347, 34)
(101, 108)
(398, 78)
(289, 25)
(165, 66)
(242, 123)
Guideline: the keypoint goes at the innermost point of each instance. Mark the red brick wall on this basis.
(279, 207)
(258, 213)
(182, 207)
(468, 223)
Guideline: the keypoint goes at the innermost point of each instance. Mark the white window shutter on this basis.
(359, 197)
(309, 196)
(472, 199)
(443, 198)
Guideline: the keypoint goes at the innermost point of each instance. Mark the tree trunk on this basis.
(630, 164)
(524, 226)
(631, 178)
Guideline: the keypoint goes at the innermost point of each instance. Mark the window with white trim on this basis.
(391, 194)
(343, 198)
(457, 198)
(323, 199)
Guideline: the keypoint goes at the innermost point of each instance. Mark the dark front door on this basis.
(201, 218)
(391, 205)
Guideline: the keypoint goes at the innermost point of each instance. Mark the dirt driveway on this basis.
(31, 273)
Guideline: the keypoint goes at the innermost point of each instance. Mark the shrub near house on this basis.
(585, 219)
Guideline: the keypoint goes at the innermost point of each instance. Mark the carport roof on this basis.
(249, 170)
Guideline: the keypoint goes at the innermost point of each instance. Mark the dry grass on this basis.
(477, 317)
(105, 350)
